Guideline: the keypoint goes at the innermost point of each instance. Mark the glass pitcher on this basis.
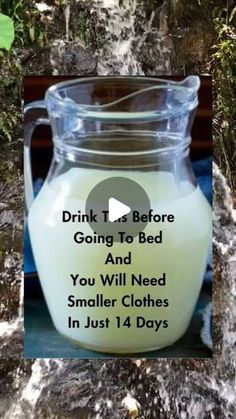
(138, 128)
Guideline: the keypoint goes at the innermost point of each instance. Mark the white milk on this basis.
(182, 256)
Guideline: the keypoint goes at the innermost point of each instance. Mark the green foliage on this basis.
(224, 72)
(26, 20)
(8, 121)
(6, 32)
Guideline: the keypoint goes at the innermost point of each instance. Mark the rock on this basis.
(155, 54)
(83, 389)
(11, 343)
(71, 58)
(224, 213)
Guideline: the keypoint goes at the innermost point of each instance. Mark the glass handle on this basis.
(34, 115)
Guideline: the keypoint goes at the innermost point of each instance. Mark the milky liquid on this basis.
(182, 257)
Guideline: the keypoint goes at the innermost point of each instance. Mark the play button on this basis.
(114, 201)
(117, 209)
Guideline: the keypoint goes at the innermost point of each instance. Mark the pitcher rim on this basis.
(90, 112)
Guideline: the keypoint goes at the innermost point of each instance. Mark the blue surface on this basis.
(203, 173)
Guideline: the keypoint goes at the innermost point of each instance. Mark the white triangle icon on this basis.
(117, 209)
